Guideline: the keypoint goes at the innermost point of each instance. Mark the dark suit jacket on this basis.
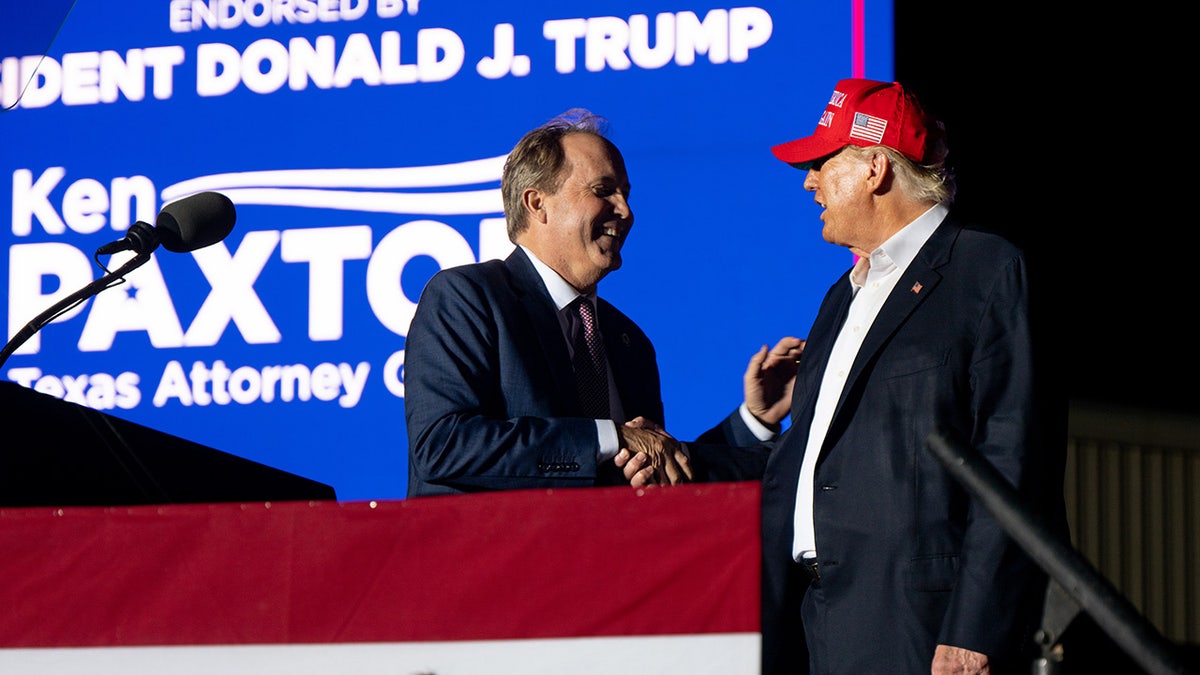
(908, 560)
(490, 396)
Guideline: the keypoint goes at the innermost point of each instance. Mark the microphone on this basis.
(182, 226)
(185, 225)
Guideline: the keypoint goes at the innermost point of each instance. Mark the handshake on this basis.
(650, 456)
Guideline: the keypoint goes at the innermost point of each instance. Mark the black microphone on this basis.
(184, 225)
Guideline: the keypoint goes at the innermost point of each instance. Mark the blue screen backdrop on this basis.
(362, 142)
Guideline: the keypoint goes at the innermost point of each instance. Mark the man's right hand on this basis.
(654, 449)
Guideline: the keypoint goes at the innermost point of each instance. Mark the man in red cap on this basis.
(876, 559)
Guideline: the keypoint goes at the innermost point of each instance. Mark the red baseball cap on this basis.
(864, 113)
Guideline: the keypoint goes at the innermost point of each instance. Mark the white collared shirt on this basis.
(563, 294)
(872, 279)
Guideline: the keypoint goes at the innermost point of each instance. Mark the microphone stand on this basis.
(70, 301)
(1068, 569)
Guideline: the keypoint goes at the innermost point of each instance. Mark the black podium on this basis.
(56, 453)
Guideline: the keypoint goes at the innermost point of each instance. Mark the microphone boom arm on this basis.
(66, 303)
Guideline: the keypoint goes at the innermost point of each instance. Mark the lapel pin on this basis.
(917, 287)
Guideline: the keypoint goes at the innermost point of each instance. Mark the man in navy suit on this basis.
(875, 559)
(491, 374)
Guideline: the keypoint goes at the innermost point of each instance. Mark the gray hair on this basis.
(537, 161)
(930, 180)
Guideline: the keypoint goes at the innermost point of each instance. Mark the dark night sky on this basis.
(1058, 130)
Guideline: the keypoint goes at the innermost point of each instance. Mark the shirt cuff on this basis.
(606, 431)
(761, 431)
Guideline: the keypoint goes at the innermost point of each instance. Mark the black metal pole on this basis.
(1095, 595)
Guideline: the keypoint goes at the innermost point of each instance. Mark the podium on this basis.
(58, 453)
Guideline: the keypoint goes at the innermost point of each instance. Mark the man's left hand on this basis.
(949, 660)
(769, 378)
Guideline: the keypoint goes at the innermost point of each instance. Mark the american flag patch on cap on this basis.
(868, 127)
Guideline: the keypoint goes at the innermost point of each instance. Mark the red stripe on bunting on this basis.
(509, 565)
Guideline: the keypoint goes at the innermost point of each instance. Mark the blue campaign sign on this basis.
(362, 142)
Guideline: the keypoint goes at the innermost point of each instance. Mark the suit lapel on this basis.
(917, 283)
(817, 351)
(539, 307)
(617, 347)
(830, 317)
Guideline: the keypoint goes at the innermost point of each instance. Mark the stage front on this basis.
(595, 581)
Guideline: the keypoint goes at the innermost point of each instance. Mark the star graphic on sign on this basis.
(917, 287)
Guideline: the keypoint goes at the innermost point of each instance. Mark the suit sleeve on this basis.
(729, 452)
(476, 409)
(996, 578)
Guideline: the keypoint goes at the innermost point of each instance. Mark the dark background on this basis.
(1070, 133)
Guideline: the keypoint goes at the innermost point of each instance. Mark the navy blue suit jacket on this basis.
(908, 559)
(490, 396)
